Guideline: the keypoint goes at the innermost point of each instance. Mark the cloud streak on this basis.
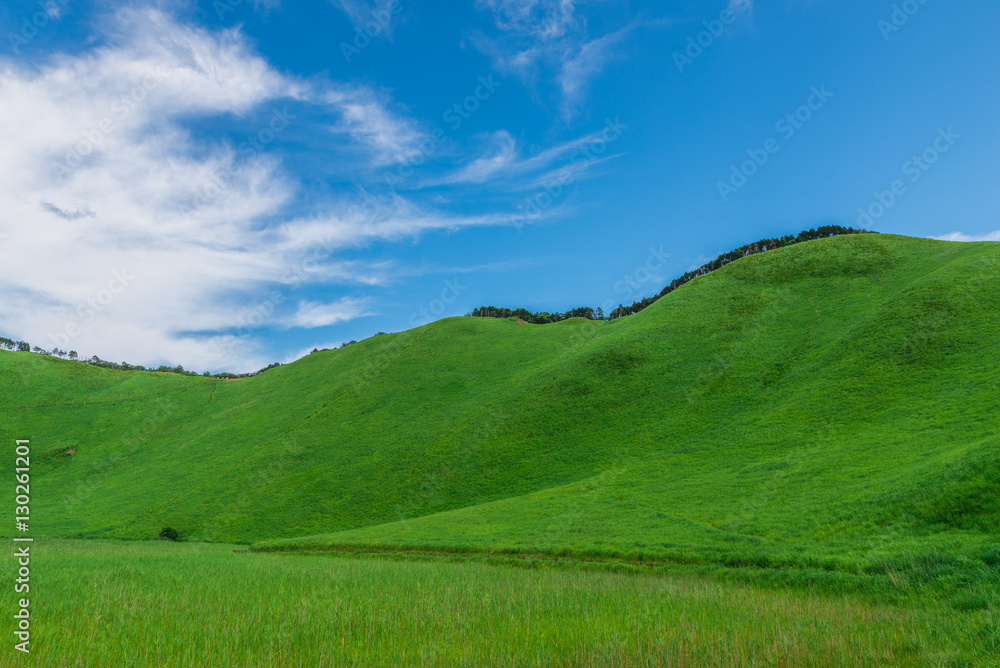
(502, 164)
(310, 315)
(958, 236)
(585, 64)
(550, 36)
(107, 169)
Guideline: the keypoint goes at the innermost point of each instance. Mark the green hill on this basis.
(829, 404)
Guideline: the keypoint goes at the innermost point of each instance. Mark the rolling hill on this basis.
(831, 404)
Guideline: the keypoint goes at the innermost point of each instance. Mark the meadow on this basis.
(154, 603)
(792, 460)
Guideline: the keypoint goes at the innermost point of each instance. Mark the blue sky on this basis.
(224, 184)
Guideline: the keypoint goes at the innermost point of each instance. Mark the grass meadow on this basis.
(105, 603)
(804, 442)
(810, 398)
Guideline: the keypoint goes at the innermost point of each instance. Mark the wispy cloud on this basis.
(542, 19)
(499, 155)
(958, 236)
(502, 163)
(391, 219)
(584, 64)
(52, 9)
(548, 36)
(310, 315)
(362, 12)
(104, 176)
(367, 120)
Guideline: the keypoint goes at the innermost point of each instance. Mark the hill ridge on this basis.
(687, 433)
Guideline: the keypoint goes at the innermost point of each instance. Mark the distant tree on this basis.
(23, 346)
(73, 355)
(761, 246)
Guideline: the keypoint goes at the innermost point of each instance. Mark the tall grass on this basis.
(165, 604)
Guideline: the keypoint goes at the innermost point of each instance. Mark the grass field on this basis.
(830, 401)
(818, 420)
(101, 603)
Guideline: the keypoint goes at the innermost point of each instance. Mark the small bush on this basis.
(169, 533)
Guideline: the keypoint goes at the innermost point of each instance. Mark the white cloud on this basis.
(958, 236)
(314, 314)
(543, 19)
(53, 10)
(102, 174)
(368, 122)
(569, 172)
(548, 36)
(586, 63)
(363, 12)
(502, 163)
(392, 219)
(500, 157)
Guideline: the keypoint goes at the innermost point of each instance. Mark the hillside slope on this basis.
(832, 402)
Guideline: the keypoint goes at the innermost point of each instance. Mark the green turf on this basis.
(827, 405)
(99, 603)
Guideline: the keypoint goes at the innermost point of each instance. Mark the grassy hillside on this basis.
(831, 404)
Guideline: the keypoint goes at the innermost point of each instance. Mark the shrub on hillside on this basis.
(169, 533)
